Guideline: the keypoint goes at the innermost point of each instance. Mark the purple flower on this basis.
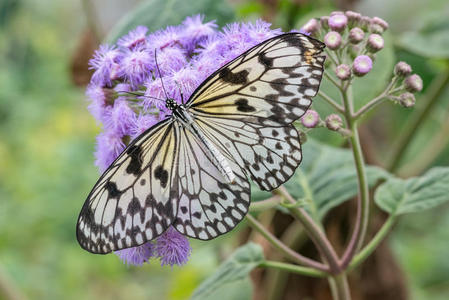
(136, 65)
(169, 60)
(141, 123)
(120, 118)
(343, 72)
(137, 255)
(260, 31)
(167, 38)
(310, 119)
(105, 63)
(332, 39)
(338, 22)
(172, 248)
(109, 146)
(413, 83)
(362, 65)
(195, 31)
(353, 17)
(133, 38)
(381, 22)
(155, 95)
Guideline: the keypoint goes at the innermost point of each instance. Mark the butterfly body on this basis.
(190, 171)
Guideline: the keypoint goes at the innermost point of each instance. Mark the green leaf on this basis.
(157, 14)
(397, 196)
(431, 41)
(326, 178)
(232, 275)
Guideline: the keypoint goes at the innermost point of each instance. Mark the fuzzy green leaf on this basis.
(232, 275)
(397, 196)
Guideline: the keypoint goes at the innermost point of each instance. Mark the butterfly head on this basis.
(171, 104)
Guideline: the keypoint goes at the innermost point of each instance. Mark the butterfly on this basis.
(190, 171)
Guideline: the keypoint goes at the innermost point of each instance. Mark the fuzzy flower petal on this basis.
(137, 255)
(109, 146)
(105, 63)
(133, 38)
(172, 248)
(136, 65)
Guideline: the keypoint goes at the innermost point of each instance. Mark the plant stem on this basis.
(278, 244)
(339, 287)
(332, 79)
(265, 204)
(374, 101)
(329, 100)
(405, 137)
(292, 268)
(362, 216)
(372, 245)
(314, 232)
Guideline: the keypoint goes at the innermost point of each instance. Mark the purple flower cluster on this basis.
(127, 97)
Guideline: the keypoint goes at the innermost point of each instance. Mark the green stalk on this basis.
(339, 287)
(292, 268)
(372, 245)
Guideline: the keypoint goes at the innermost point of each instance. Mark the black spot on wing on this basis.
(234, 78)
(161, 175)
(135, 165)
(267, 62)
(242, 105)
(112, 189)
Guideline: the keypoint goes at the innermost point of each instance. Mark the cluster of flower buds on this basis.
(352, 42)
(354, 39)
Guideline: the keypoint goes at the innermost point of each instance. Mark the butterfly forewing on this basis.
(270, 84)
(135, 200)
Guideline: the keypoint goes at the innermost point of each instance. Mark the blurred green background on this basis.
(47, 140)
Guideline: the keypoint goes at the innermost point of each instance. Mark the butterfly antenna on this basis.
(139, 95)
(180, 92)
(160, 75)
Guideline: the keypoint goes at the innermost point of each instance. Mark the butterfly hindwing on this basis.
(208, 205)
(271, 84)
(136, 198)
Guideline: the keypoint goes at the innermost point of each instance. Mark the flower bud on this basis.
(376, 28)
(413, 83)
(337, 12)
(310, 119)
(365, 22)
(324, 22)
(334, 122)
(356, 35)
(375, 42)
(362, 65)
(343, 72)
(353, 17)
(332, 39)
(402, 69)
(407, 99)
(381, 22)
(338, 22)
(311, 26)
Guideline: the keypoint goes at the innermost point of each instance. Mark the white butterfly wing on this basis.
(136, 198)
(208, 205)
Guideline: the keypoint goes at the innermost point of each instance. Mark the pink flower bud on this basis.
(324, 21)
(311, 26)
(334, 122)
(381, 22)
(402, 69)
(343, 72)
(413, 83)
(353, 17)
(407, 100)
(338, 22)
(362, 65)
(356, 35)
(375, 42)
(310, 119)
(332, 39)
